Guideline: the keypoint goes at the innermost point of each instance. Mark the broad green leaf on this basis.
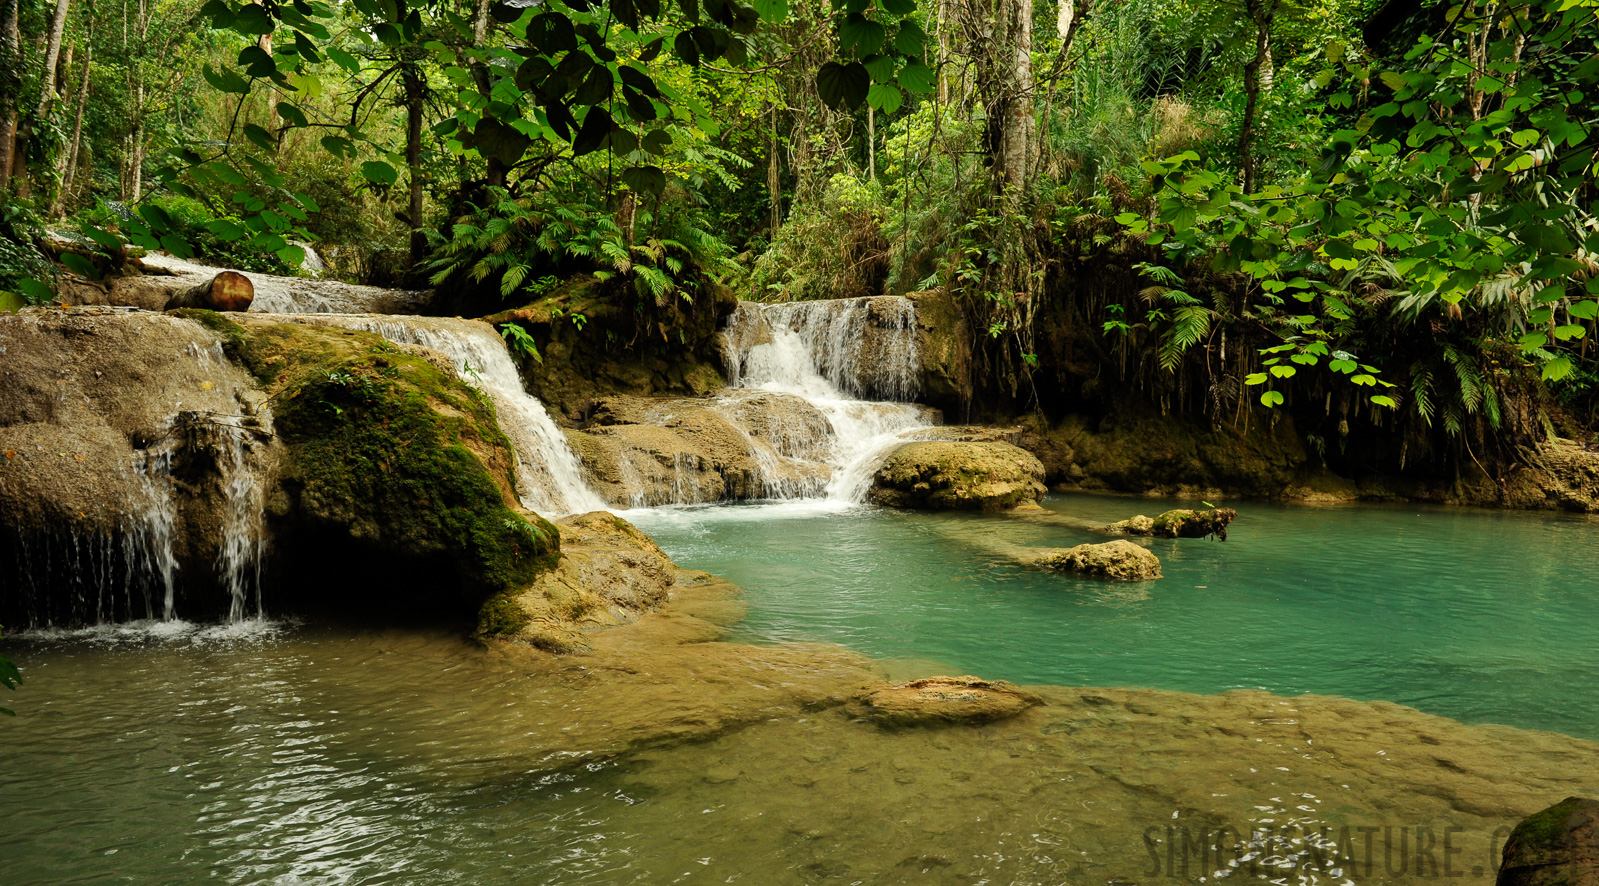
(917, 77)
(885, 97)
(774, 11)
(381, 173)
(1271, 398)
(843, 86)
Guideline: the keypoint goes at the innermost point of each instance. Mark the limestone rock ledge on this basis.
(951, 475)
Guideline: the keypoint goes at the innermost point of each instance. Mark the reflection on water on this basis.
(302, 754)
(1480, 616)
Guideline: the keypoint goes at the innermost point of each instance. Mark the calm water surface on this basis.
(1482, 616)
(277, 754)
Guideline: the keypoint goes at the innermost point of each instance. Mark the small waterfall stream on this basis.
(549, 475)
(832, 355)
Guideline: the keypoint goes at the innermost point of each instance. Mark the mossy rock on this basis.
(1113, 560)
(1179, 523)
(393, 462)
(950, 475)
(1558, 846)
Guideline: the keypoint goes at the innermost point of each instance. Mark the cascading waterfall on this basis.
(549, 475)
(823, 352)
(148, 531)
(243, 540)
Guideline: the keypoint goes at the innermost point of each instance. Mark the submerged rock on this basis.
(949, 475)
(938, 700)
(1556, 847)
(1115, 560)
(1178, 523)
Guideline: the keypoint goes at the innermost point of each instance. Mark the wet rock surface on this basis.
(951, 475)
(1114, 560)
(120, 440)
(946, 700)
(609, 574)
(1178, 523)
(1558, 846)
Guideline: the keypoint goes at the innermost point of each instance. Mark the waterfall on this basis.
(243, 540)
(831, 354)
(549, 475)
(148, 530)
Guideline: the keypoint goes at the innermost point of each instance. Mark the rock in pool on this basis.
(1179, 523)
(949, 475)
(1114, 560)
(936, 700)
(1556, 847)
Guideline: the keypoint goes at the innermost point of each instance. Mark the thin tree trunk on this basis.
(480, 73)
(47, 95)
(414, 96)
(1016, 133)
(10, 55)
(871, 143)
(1261, 13)
(70, 169)
(774, 180)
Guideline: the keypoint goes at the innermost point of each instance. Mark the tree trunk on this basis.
(871, 143)
(227, 291)
(10, 56)
(480, 73)
(1016, 133)
(1260, 13)
(47, 95)
(70, 168)
(774, 180)
(414, 96)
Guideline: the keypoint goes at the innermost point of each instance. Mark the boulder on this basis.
(1556, 847)
(1114, 560)
(949, 475)
(945, 700)
(609, 574)
(1178, 523)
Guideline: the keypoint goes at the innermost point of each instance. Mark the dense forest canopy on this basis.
(1384, 213)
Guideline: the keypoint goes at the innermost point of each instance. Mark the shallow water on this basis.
(1482, 616)
(277, 753)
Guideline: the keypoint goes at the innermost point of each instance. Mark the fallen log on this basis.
(227, 291)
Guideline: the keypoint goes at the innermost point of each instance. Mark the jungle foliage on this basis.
(1371, 215)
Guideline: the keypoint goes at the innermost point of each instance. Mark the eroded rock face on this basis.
(950, 475)
(1114, 560)
(121, 441)
(1178, 523)
(640, 452)
(609, 574)
(1556, 847)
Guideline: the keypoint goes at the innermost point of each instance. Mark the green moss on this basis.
(231, 332)
(397, 453)
(502, 617)
(1548, 827)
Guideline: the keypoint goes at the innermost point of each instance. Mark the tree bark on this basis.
(414, 96)
(227, 291)
(47, 95)
(11, 51)
(1261, 13)
(69, 165)
(480, 73)
(774, 180)
(1016, 133)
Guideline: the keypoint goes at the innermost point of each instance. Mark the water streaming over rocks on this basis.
(816, 399)
(549, 475)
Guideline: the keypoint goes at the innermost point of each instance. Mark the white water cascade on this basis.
(549, 475)
(829, 354)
